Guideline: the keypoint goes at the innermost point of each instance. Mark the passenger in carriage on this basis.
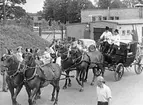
(115, 42)
(19, 54)
(79, 45)
(28, 50)
(106, 38)
(46, 58)
(36, 54)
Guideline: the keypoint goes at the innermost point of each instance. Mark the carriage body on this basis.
(124, 57)
(126, 54)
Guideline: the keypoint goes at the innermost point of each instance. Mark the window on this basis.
(111, 18)
(39, 23)
(100, 18)
(39, 18)
(133, 31)
(104, 18)
(69, 38)
(128, 32)
(32, 18)
(93, 18)
(73, 38)
(36, 24)
(116, 18)
(123, 32)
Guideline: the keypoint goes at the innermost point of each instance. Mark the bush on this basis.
(12, 36)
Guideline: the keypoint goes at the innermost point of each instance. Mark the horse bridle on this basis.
(16, 72)
(67, 55)
(78, 58)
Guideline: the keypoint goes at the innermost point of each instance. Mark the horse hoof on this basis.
(53, 99)
(17, 103)
(92, 84)
(69, 85)
(64, 87)
(38, 97)
(81, 90)
(85, 80)
(55, 103)
(34, 103)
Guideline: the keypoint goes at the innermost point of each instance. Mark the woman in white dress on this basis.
(116, 42)
(19, 53)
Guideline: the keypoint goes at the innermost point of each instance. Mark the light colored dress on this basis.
(116, 39)
(19, 56)
(46, 58)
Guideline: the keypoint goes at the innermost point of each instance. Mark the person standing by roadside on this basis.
(103, 92)
(4, 73)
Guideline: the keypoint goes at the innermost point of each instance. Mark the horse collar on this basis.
(17, 71)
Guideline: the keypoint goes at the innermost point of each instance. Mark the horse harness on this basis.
(35, 72)
(18, 71)
(81, 59)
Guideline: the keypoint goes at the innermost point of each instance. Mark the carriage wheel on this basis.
(119, 71)
(91, 48)
(138, 67)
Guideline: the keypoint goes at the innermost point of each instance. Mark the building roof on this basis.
(126, 22)
(97, 9)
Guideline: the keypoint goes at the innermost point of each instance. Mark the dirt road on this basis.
(127, 91)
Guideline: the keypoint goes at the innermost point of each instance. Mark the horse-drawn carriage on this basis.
(125, 56)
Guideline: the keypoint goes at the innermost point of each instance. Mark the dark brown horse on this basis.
(66, 64)
(37, 77)
(87, 60)
(14, 77)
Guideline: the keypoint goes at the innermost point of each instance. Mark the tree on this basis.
(117, 4)
(130, 3)
(104, 4)
(65, 10)
(17, 1)
(11, 10)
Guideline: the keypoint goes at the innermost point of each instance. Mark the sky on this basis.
(33, 6)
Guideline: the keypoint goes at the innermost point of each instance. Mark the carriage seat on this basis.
(123, 50)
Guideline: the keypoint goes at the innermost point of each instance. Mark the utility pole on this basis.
(4, 13)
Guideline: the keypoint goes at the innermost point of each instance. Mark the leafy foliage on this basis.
(65, 10)
(12, 10)
(104, 4)
(131, 3)
(17, 1)
(117, 4)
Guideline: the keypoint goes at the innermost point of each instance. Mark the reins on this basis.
(16, 72)
(35, 74)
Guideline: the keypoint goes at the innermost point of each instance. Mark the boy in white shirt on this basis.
(103, 92)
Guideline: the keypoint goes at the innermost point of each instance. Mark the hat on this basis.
(19, 47)
(106, 28)
(116, 30)
(100, 78)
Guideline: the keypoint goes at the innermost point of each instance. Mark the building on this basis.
(37, 20)
(93, 30)
(92, 15)
(94, 21)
